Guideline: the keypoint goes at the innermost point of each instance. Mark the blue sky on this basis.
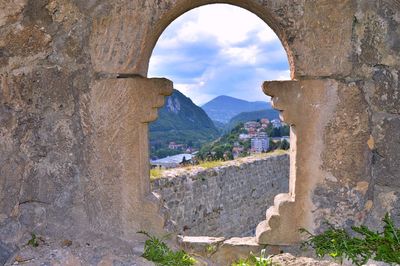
(219, 49)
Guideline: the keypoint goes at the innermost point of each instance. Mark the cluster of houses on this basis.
(257, 129)
(181, 147)
(255, 132)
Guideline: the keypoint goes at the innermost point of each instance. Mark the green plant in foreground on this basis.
(252, 260)
(211, 249)
(367, 244)
(33, 241)
(157, 251)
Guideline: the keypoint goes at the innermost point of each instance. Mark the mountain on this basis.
(223, 108)
(251, 116)
(182, 122)
(219, 125)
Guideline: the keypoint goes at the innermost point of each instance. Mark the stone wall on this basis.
(224, 201)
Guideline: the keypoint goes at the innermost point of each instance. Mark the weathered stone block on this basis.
(5, 253)
(346, 154)
(385, 93)
(385, 200)
(326, 30)
(25, 41)
(375, 28)
(386, 156)
(117, 190)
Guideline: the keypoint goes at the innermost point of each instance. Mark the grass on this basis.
(210, 164)
(252, 260)
(156, 173)
(157, 251)
(269, 154)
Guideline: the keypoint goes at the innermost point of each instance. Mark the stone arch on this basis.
(121, 46)
(346, 61)
(184, 6)
(269, 231)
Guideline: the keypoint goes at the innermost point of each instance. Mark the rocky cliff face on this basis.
(183, 122)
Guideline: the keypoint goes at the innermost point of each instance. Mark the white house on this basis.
(259, 145)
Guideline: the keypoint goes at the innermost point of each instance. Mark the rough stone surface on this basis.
(60, 166)
(376, 63)
(118, 188)
(385, 91)
(349, 126)
(386, 200)
(91, 250)
(290, 260)
(5, 253)
(386, 157)
(232, 250)
(224, 201)
(346, 160)
(295, 209)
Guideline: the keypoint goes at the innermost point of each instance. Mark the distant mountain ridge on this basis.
(223, 108)
(181, 121)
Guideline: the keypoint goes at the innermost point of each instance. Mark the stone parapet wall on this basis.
(227, 201)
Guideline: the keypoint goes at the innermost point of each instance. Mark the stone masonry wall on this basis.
(224, 201)
(63, 171)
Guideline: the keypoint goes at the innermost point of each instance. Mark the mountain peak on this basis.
(223, 107)
(223, 97)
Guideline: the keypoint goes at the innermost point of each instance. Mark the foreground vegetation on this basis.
(253, 260)
(157, 251)
(358, 246)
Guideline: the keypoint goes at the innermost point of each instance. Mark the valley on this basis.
(222, 129)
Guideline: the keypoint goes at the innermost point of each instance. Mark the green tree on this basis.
(273, 145)
(218, 152)
(285, 130)
(284, 145)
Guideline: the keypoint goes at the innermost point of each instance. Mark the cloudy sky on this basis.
(219, 50)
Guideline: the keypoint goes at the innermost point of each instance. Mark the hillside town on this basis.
(251, 137)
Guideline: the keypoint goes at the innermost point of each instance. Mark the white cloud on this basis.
(219, 49)
(227, 25)
(267, 35)
(242, 55)
(195, 92)
(158, 60)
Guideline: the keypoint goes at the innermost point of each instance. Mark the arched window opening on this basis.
(218, 150)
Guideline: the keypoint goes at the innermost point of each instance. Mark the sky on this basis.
(217, 50)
